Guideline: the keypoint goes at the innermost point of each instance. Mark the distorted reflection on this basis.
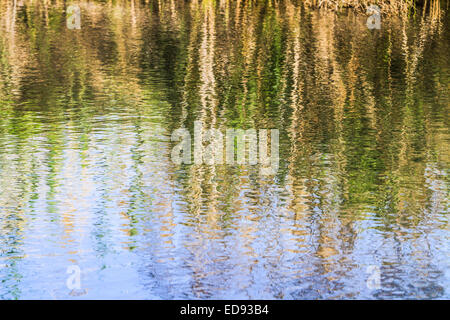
(86, 177)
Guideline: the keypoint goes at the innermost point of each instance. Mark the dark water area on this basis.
(87, 180)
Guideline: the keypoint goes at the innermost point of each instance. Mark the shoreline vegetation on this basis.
(433, 7)
(387, 7)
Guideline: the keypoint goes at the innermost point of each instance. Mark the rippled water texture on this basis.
(87, 180)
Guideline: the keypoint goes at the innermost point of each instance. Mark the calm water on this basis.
(86, 177)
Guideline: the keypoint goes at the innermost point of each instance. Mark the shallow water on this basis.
(87, 180)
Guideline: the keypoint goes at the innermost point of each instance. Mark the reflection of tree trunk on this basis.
(411, 200)
(199, 177)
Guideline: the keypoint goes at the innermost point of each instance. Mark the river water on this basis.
(359, 205)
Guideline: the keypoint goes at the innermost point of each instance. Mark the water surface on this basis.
(86, 177)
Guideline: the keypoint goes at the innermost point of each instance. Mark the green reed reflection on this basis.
(86, 176)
